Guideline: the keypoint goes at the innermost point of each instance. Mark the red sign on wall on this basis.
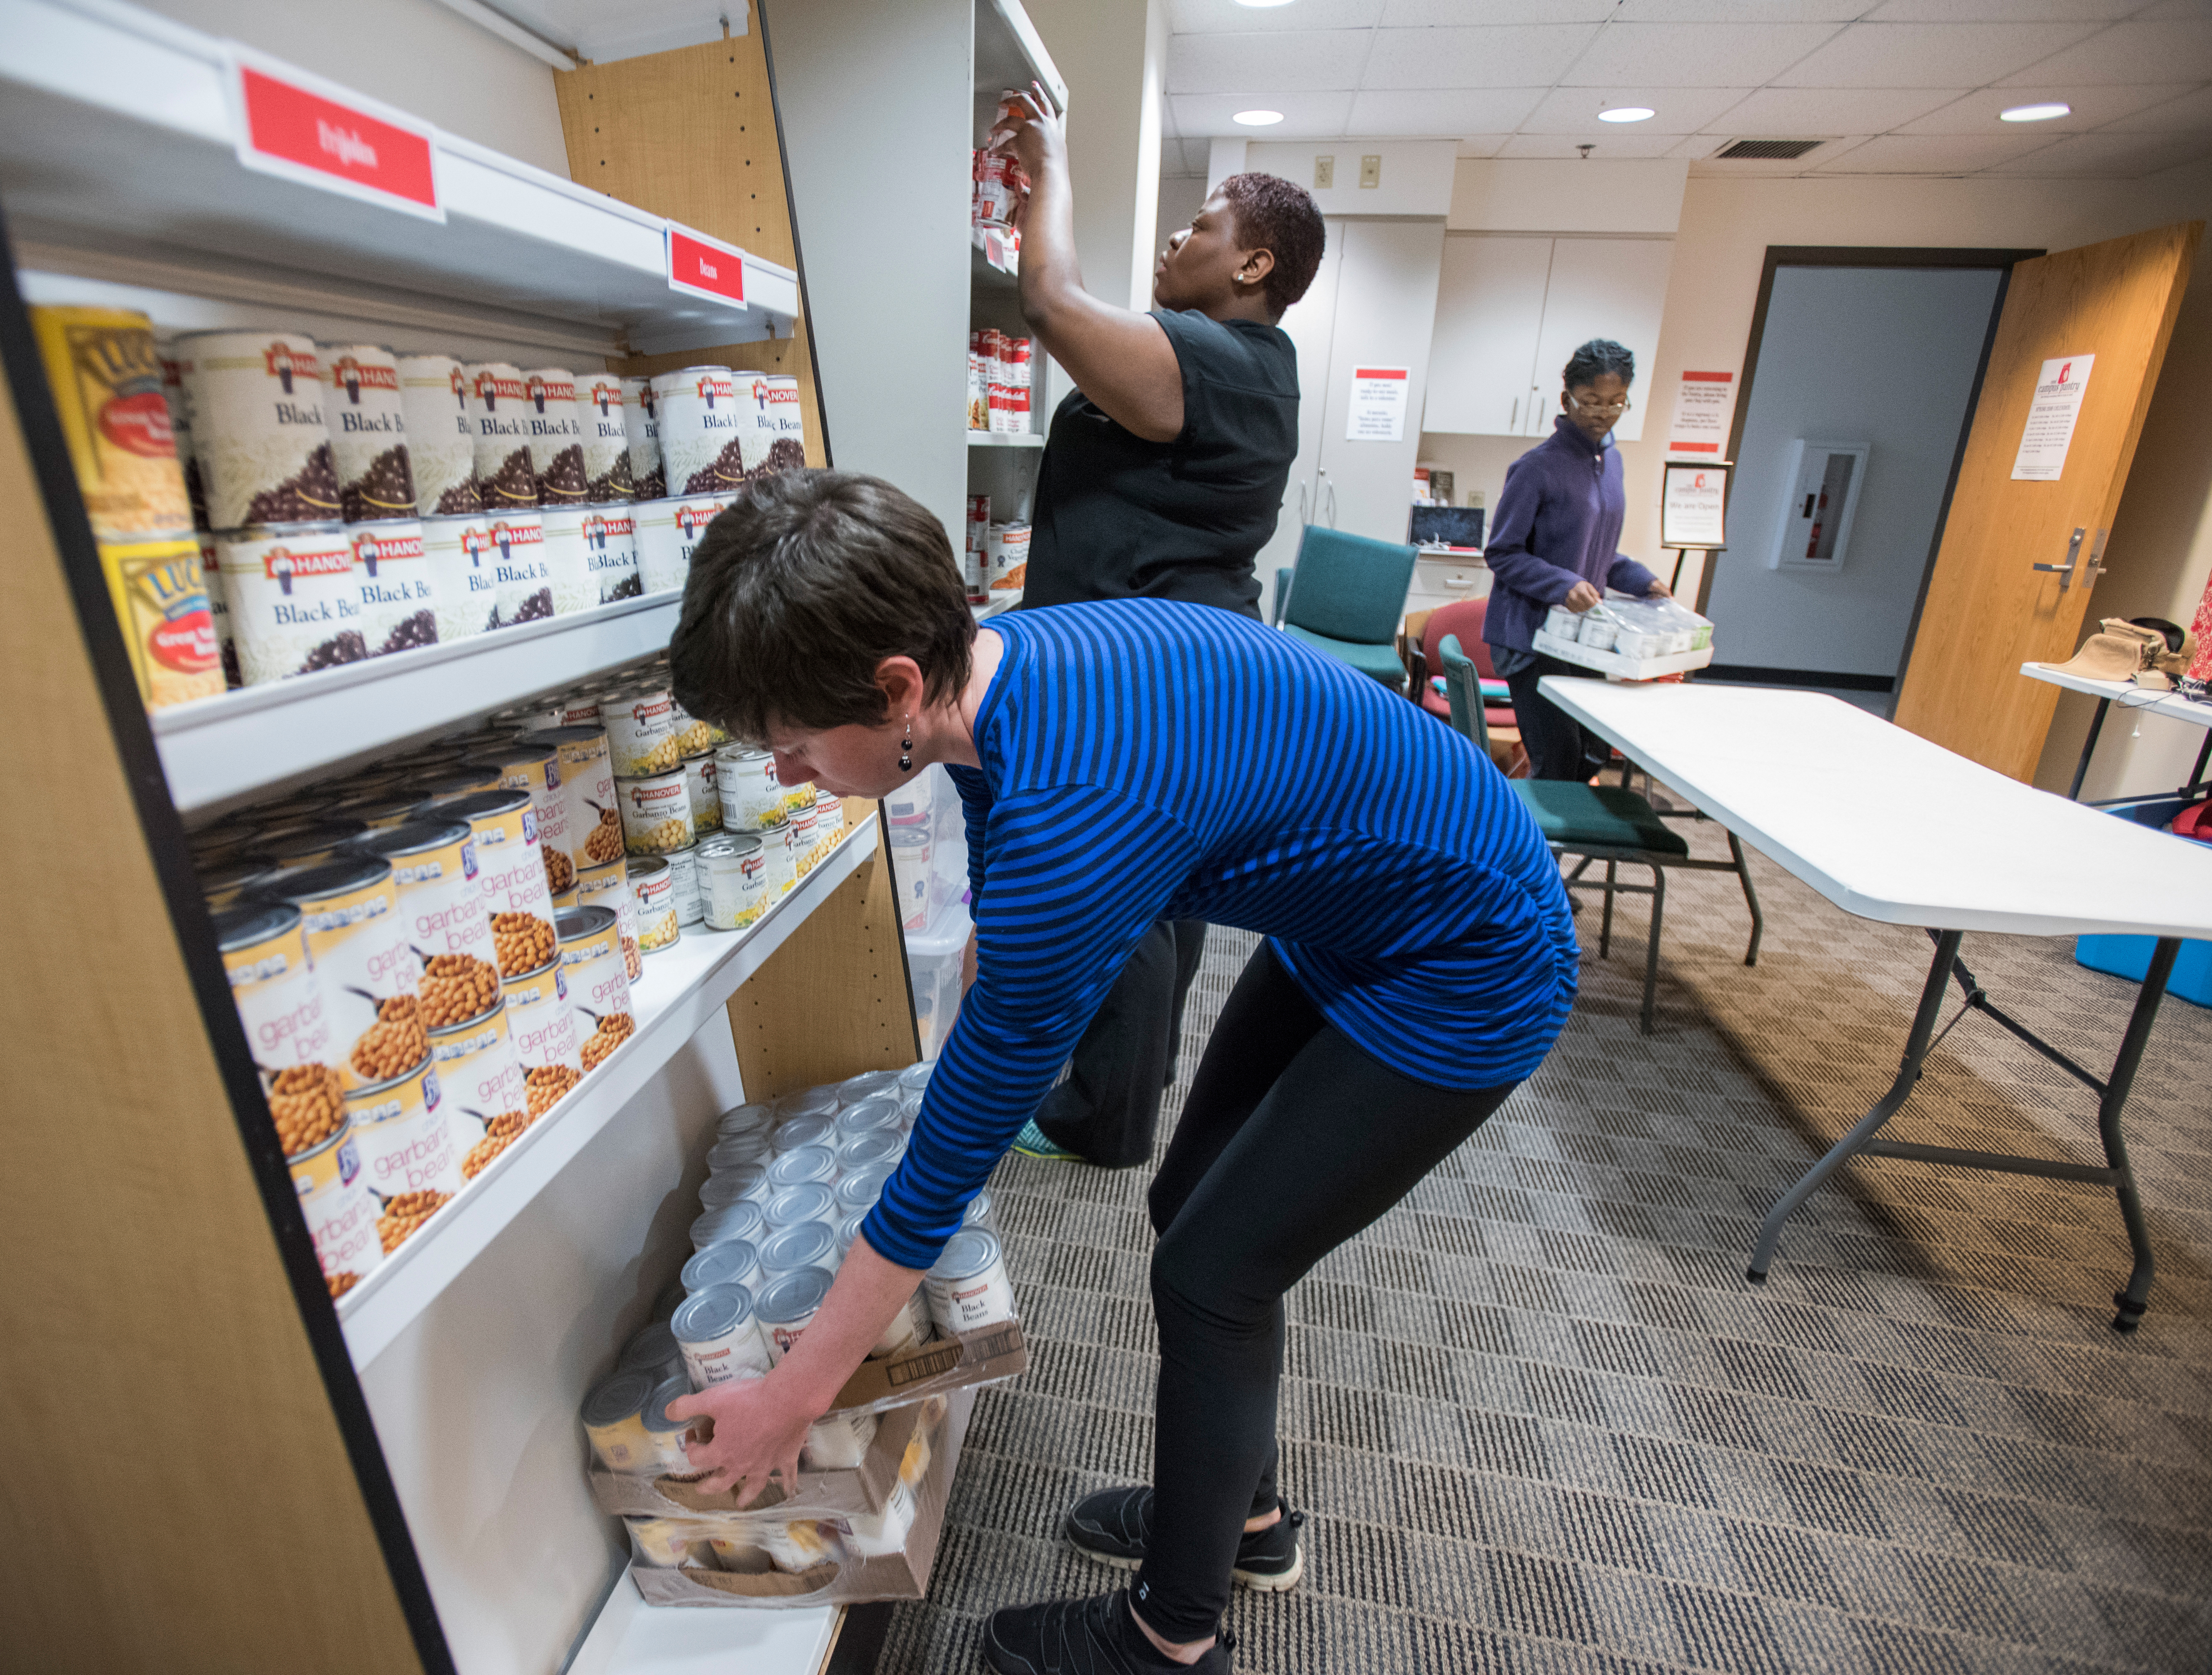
(299, 127)
(706, 267)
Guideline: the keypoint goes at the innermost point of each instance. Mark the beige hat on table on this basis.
(2123, 650)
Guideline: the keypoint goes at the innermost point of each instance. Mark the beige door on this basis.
(1989, 609)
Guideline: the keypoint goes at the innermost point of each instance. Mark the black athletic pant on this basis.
(1109, 1108)
(1558, 746)
(1293, 1140)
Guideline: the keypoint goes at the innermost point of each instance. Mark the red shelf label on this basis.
(296, 126)
(705, 268)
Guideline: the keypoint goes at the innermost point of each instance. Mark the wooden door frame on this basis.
(1780, 256)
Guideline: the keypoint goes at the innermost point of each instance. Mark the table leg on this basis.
(2196, 773)
(2132, 1301)
(2088, 749)
(1916, 1049)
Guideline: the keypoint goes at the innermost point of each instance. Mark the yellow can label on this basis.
(160, 599)
(106, 380)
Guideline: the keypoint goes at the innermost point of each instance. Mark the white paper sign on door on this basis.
(1702, 407)
(2050, 418)
(1378, 404)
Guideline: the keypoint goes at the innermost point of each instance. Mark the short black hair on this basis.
(1594, 359)
(1281, 217)
(800, 589)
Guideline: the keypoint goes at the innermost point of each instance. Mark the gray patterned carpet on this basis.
(1543, 1424)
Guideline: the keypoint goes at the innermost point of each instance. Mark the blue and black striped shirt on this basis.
(1147, 759)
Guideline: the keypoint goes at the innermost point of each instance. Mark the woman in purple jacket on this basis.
(1554, 543)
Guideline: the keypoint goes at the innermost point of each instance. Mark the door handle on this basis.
(2095, 567)
(1303, 519)
(1513, 424)
(2065, 572)
(1332, 506)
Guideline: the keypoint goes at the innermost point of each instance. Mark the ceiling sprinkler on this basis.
(1586, 148)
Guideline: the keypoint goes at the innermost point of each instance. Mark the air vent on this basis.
(1768, 150)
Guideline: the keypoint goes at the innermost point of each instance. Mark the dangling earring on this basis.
(906, 748)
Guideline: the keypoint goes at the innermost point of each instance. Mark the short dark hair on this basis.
(1596, 357)
(1281, 216)
(800, 589)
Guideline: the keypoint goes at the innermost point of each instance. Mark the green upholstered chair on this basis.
(1606, 823)
(1347, 597)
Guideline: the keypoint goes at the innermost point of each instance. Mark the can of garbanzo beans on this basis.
(358, 938)
(272, 984)
(511, 876)
(479, 1072)
(340, 1214)
(406, 1143)
(609, 887)
(546, 1039)
(640, 724)
(592, 826)
(530, 765)
(226, 882)
(598, 981)
(652, 886)
(706, 800)
(380, 809)
(433, 862)
(656, 813)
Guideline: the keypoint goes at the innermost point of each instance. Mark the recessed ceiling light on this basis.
(1257, 118)
(1627, 113)
(2036, 112)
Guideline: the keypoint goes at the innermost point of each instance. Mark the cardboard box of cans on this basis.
(865, 1489)
(269, 506)
(777, 1560)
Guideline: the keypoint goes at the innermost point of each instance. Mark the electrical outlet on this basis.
(1370, 171)
(1324, 173)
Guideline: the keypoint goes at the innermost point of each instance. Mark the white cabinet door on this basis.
(1311, 323)
(1489, 315)
(1385, 312)
(1601, 288)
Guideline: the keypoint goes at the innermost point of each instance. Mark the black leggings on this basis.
(1558, 746)
(1292, 1141)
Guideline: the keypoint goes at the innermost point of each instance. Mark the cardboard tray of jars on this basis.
(681, 989)
(1614, 666)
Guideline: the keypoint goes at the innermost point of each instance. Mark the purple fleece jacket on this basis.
(1558, 522)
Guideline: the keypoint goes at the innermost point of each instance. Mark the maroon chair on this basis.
(1463, 617)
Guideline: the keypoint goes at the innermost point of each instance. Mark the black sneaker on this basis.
(1114, 1525)
(1095, 1636)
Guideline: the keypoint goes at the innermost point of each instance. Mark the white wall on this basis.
(1181, 196)
(2161, 545)
(414, 54)
(1885, 356)
(1109, 52)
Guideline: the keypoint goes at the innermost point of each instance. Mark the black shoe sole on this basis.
(1261, 1581)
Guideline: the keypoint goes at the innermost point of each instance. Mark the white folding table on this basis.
(1892, 828)
(2136, 701)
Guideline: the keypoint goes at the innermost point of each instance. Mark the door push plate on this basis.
(2065, 572)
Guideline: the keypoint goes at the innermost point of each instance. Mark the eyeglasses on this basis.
(1612, 407)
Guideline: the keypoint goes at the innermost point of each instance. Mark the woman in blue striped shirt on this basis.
(1121, 762)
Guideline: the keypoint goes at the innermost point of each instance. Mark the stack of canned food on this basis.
(350, 501)
(789, 1184)
(429, 953)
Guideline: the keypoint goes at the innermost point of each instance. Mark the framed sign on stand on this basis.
(1693, 508)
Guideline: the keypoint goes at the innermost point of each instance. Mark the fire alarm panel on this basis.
(1822, 495)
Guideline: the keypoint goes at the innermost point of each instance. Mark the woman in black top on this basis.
(1161, 477)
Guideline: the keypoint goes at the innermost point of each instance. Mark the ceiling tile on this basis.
(1305, 115)
(1481, 145)
(1678, 110)
(1694, 55)
(2111, 156)
(2178, 49)
(1604, 145)
(1441, 111)
(1802, 113)
(1742, 11)
(2165, 9)
(2190, 114)
(1441, 14)
(1311, 61)
(1978, 113)
(2002, 11)
(1514, 56)
(1931, 154)
(1930, 55)
(1187, 17)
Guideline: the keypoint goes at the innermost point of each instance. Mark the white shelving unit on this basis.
(633, 1638)
(117, 147)
(220, 749)
(683, 988)
(1003, 439)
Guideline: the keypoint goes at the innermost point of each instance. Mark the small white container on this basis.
(641, 424)
(740, 1221)
(814, 1202)
(521, 582)
(803, 1166)
(462, 574)
(968, 1286)
(732, 1262)
(803, 1245)
(811, 1126)
(1599, 633)
(609, 534)
(788, 1306)
(1562, 624)
(720, 1335)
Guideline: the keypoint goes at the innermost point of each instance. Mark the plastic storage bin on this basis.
(933, 958)
(2130, 956)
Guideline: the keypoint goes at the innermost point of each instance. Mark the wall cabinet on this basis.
(1512, 309)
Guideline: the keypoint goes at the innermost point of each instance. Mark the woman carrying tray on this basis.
(1122, 762)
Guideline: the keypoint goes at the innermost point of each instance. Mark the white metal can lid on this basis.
(967, 1253)
(714, 1312)
(614, 1400)
(724, 1263)
(808, 1245)
(795, 1296)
